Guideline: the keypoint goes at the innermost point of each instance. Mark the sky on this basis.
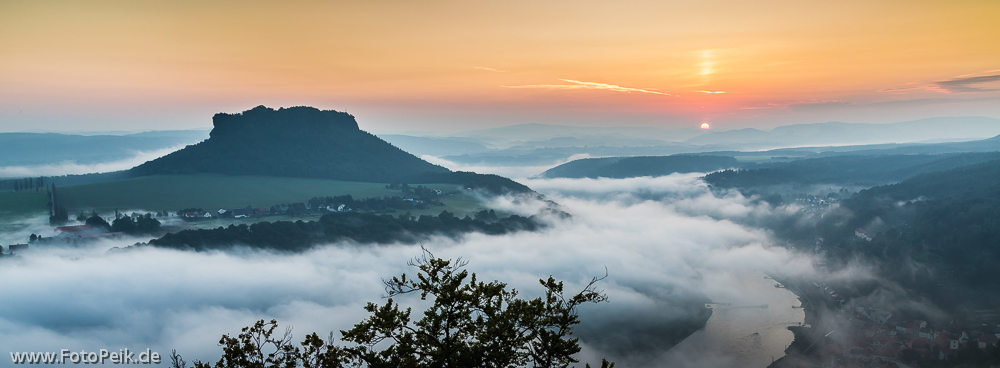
(445, 66)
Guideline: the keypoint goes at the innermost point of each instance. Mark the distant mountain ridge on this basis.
(837, 133)
(30, 149)
(872, 158)
(629, 167)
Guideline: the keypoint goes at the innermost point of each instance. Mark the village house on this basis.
(15, 248)
(861, 233)
(987, 340)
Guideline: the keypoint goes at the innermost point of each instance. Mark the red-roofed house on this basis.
(987, 340)
(943, 340)
(887, 353)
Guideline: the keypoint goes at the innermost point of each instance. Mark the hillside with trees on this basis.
(862, 170)
(628, 167)
(937, 234)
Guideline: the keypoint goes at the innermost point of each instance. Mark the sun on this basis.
(705, 126)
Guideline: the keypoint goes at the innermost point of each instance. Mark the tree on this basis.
(257, 347)
(469, 324)
(96, 221)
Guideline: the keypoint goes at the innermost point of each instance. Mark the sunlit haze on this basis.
(445, 66)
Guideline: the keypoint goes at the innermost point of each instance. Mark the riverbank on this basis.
(748, 327)
(811, 337)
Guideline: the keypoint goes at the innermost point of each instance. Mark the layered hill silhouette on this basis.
(312, 143)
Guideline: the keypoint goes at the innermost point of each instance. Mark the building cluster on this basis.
(877, 339)
(861, 233)
(912, 340)
(816, 204)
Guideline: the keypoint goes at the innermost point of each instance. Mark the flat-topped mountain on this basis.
(297, 141)
(309, 143)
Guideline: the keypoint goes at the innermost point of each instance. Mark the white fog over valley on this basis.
(664, 241)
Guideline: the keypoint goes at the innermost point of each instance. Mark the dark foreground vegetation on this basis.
(336, 226)
(469, 324)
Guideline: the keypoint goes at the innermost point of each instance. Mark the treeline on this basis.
(40, 183)
(23, 184)
(360, 227)
(136, 223)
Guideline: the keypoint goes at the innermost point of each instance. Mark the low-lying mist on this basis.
(666, 243)
(73, 168)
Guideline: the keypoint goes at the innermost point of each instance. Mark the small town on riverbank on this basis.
(841, 332)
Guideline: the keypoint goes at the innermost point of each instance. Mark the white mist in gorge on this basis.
(666, 244)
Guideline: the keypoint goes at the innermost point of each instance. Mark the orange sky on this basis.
(450, 65)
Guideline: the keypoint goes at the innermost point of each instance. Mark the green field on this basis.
(212, 192)
(17, 203)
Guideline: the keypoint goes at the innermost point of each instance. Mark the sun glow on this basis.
(707, 63)
(705, 126)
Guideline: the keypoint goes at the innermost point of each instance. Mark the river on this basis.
(740, 332)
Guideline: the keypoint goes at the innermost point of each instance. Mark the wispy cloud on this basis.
(798, 105)
(489, 69)
(768, 106)
(966, 85)
(589, 85)
(713, 92)
(901, 89)
(961, 84)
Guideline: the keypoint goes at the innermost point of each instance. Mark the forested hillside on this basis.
(628, 167)
(866, 170)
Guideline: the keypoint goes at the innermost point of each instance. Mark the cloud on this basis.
(589, 85)
(956, 85)
(800, 105)
(712, 92)
(967, 85)
(489, 69)
(73, 168)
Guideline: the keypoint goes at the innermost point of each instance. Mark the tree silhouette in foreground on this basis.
(470, 324)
